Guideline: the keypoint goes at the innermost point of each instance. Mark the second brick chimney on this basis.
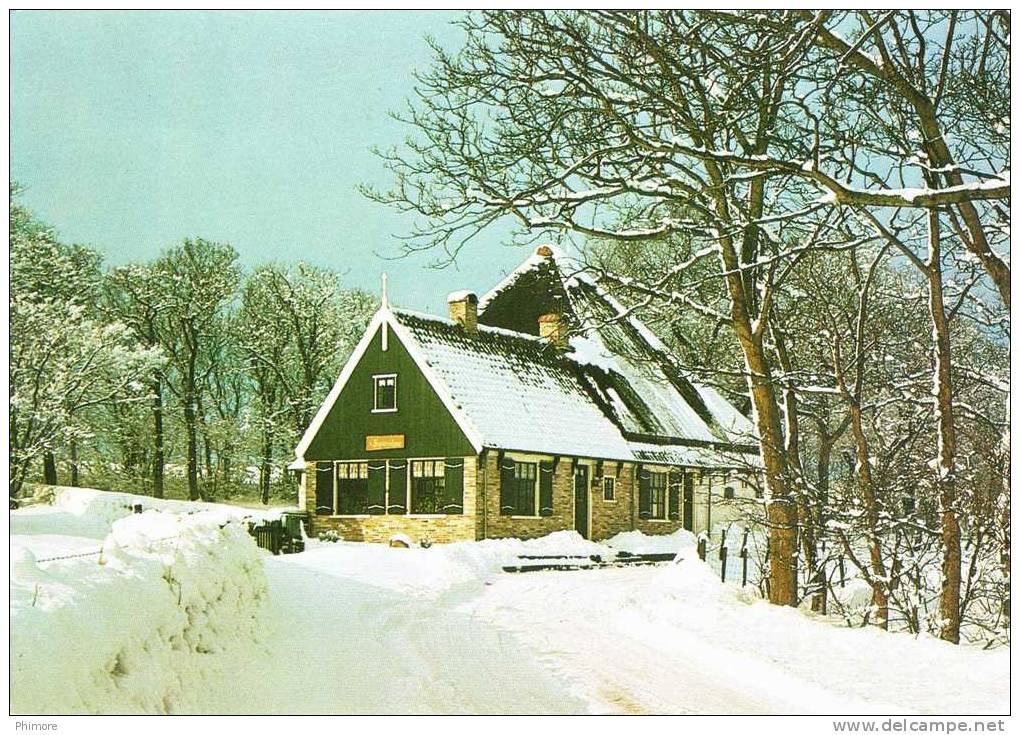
(552, 328)
(463, 307)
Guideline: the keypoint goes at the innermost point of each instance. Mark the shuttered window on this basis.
(376, 498)
(675, 483)
(352, 488)
(396, 498)
(436, 486)
(323, 488)
(518, 487)
(644, 494)
(545, 489)
(454, 498)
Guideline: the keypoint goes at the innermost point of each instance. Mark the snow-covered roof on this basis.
(515, 390)
(625, 361)
(613, 393)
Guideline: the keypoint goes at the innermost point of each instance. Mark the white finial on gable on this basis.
(385, 298)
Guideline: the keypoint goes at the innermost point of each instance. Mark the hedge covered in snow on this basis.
(138, 626)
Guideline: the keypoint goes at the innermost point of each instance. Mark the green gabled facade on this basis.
(421, 418)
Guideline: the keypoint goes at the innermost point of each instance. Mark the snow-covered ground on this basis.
(364, 628)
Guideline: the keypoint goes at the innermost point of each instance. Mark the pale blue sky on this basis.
(132, 130)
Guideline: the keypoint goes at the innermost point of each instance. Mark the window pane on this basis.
(352, 488)
(609, 488)
(525, 476)
(658, 488)
(385, 393)
(428, 486)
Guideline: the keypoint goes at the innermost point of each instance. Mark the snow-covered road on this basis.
(353, 635)
(342, 646)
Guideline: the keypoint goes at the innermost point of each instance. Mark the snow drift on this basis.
(138, 627)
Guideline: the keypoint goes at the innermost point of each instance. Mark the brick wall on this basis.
(609, 518)
(482, 489)
(500, 526)
(379, 529)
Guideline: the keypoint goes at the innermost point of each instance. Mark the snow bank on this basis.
(635, 542)
(139, 627)
(109, 506)
(432, 571)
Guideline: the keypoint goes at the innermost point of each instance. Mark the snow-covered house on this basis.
(540, 407)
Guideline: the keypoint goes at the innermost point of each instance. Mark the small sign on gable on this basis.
(377, 442)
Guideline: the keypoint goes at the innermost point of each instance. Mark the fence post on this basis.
(743, 558)
(722, 543)
(722, 557)
(702, 548)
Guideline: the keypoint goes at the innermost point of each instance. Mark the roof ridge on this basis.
(446, 321)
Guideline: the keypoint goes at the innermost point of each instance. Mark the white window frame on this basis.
(375, 393)
(605, 479)
(409, 481)
(336, 488)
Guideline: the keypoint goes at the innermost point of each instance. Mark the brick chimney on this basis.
(463, 307)
(552, 328)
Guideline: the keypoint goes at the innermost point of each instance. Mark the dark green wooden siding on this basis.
(428, 428)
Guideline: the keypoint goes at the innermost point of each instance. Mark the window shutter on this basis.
(506, 487)
(545, 489)
(644, 495)
(323, 488)
(453, 493)
(675, 478)
(397, 503)
(376, 501)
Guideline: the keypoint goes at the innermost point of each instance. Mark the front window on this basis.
(657, 486)
(352, 488)
(609, 488)
(428, 486)
(524, 488)
(385, 393)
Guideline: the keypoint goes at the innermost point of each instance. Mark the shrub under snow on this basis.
(139, 628)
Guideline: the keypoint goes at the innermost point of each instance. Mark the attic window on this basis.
(385, 393)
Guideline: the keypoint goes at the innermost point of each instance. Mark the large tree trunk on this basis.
(949, 604)
(49, 469)
(159, 458)
(781, 510)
